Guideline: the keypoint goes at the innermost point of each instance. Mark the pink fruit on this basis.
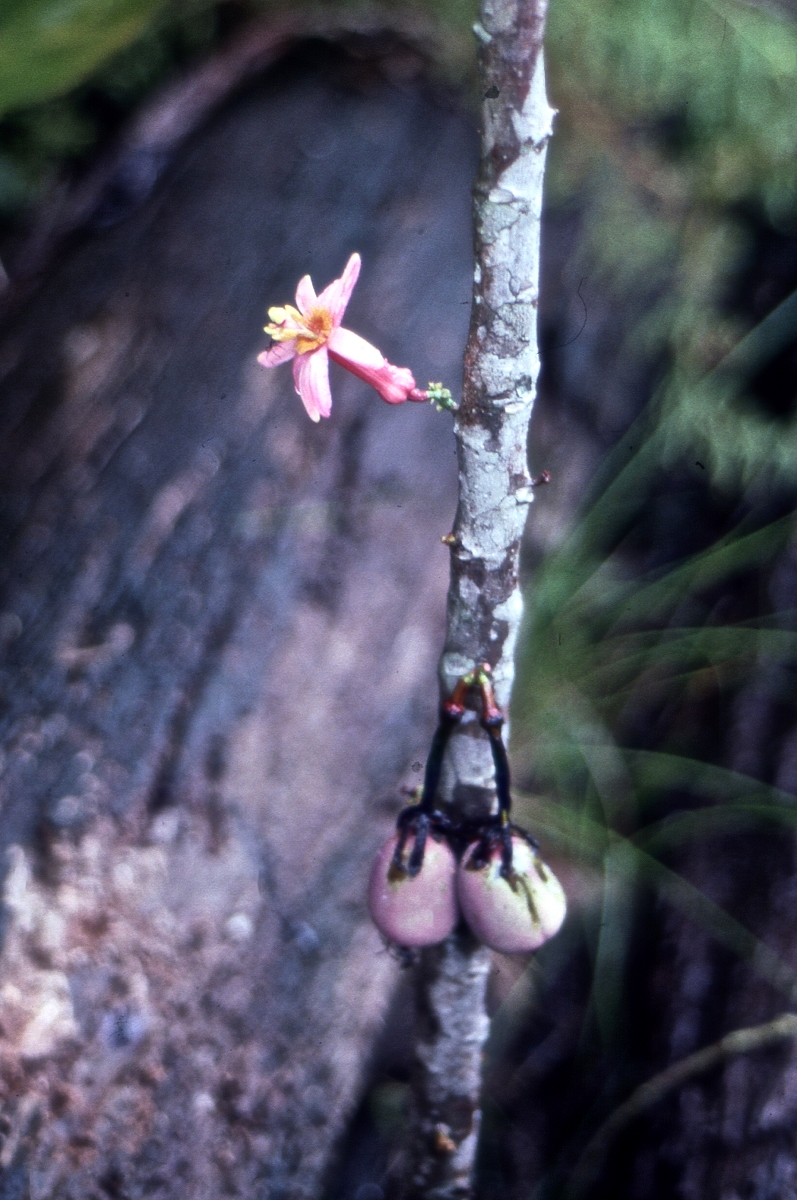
(515, 915)
(414, 910)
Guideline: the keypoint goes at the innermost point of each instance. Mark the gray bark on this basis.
(484, 598)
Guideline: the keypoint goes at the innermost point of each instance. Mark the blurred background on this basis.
(220, 625)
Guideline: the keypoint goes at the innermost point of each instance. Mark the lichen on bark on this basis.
(484, 600)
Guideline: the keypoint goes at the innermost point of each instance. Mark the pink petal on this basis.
(311, 379)
(305, 295)
(280, 352)
(349, 347)
(337, 294)
(394, 384)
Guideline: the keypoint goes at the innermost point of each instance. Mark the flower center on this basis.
(318, 324)
(310, 330)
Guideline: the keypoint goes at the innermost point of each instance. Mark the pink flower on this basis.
(311, 334)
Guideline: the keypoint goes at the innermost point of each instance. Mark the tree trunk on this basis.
(220, 626)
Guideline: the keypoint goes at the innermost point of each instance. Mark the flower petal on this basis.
(311, 379)
(305, 295)
(280, 352)
(337, 294)
(350, 347)
(394, 384)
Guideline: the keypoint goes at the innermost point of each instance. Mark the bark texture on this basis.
(484, 599)
(219, 626)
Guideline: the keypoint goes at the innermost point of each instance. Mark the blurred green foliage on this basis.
(71, 72)
(679, 164)
(47, 48)
(676, 143)
(603, 644)
(678, 134)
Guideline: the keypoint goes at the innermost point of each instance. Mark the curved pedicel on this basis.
(411, 894)
(511, 900)
(509, 897)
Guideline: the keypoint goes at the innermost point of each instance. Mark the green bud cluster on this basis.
(440, 397)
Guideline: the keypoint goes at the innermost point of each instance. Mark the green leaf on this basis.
(656, 772)
(568, 831)
(682, 828)
(607, 992)
(50, 46)
(631, 656)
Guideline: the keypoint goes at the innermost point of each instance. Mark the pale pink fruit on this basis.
(414, 910)
(311, 333)
(516, 915)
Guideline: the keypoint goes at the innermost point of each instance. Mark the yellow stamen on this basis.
(279, 333)
(310, 331)
(278, 329)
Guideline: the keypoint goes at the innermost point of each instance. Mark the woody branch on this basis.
(484, 599)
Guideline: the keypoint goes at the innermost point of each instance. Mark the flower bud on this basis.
(414, 910)
(514, 915)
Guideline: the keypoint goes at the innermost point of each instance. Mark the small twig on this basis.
(741, 1041)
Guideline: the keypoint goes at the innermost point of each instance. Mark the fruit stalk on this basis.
(484, 600)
